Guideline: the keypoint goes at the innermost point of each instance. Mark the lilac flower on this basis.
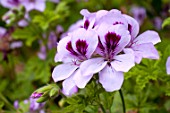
(168, 65)
(2, 32)
(42, 53)
(16, 104)
(139, 13)
(93, 19)
(10, 3)
(34, 4)
(16, 44)
(109, 64)
(72, 50)
(157, 21)
(34, 106)
(52, 41)
(142, 45)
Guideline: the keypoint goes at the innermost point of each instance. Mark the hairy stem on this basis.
(123, 102)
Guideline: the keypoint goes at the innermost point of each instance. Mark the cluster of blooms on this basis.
(34, 107)
(104, 42)
(27, 4)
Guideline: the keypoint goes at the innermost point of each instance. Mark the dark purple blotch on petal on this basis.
(112, 40)
(117, 23)
(14, 2)
(86, 24)
(70, 48)
(130, 28)
(81, 46)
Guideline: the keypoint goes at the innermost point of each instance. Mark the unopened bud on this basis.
(36, 95)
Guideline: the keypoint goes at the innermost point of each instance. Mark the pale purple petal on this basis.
(2, 31)
(147, 37)
(133, 26)
(75, 26)
(89, 36)
(10, 3)
(123, 62)
(168, 66)
(146, 50)
(114, 18)
(16, 44)
(16, 104)
(81, 80)
(40, 5)
(22, 23)
(110, 79)
(63, 71)
(92, 66)
(69, 87)
(62, 52)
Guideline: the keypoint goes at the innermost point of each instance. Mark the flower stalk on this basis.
(123, 102)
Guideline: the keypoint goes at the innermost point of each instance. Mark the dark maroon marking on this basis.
(81, 46)
(112, 40)
(14, 2)
(130, 28)
(86, 24)
(117, 23)
(100, 45)
(70, 48)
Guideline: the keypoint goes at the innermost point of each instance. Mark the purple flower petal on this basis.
(92, 66)
(146, 50)
(84, 39)
(110, 79)
(147, 37)
(63, 71)
(69, 87)
(81, 80)
(168, 65)
(133, 26)
(123, 62)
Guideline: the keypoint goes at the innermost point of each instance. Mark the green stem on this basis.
(11, 107)
(123, 102)
(104, 111)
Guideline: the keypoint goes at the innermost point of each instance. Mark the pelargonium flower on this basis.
(168, 65)
(142, 45)
(34, 4)
(72, 51)
(111, 63)
(139, 13)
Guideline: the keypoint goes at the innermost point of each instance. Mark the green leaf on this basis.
(29, 33)
(166, 22)
(1, 104)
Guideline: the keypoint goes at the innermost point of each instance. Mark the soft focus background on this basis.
(28, 40)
